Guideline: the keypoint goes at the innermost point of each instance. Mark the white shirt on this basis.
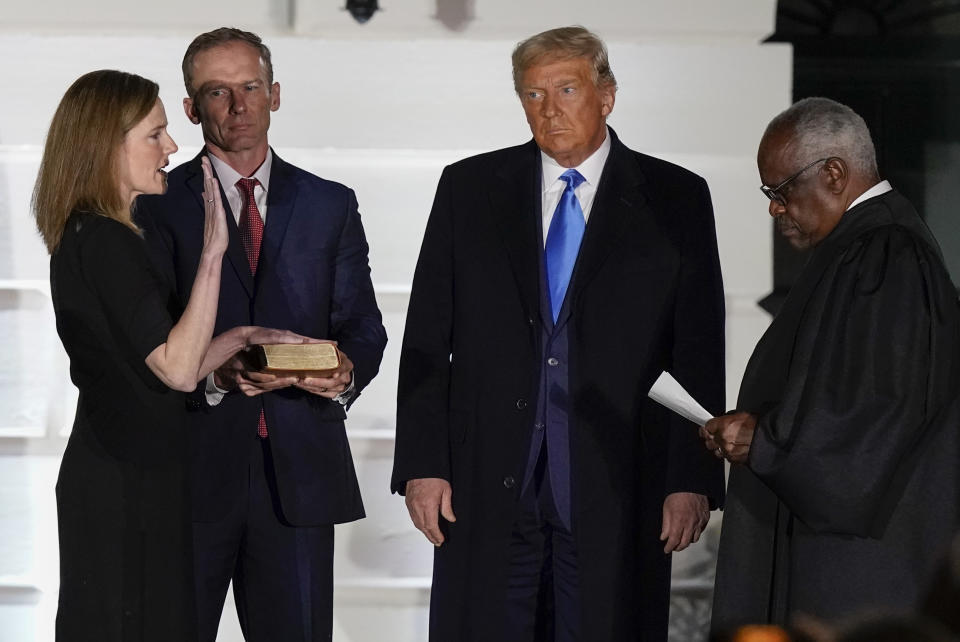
(228, 178)
(880, 188)
(552, 187)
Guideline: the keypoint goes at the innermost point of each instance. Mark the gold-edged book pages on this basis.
(297, 359)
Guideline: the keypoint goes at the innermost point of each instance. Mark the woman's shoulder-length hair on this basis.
(79, 168)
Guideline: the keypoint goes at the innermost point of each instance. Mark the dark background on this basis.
(897, 64)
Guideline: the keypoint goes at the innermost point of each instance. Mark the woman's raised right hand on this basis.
(215, 233)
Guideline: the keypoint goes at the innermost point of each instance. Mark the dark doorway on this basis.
(897, 64)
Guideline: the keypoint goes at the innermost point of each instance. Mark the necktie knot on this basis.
(572, 178)
(246, 186)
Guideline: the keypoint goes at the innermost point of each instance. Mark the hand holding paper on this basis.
(668, 392)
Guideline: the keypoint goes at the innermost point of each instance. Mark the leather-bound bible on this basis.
(297, 359)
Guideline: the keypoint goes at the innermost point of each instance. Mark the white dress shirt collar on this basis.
(228, 178)
(552, 187)
(880, 188)
(590, 169)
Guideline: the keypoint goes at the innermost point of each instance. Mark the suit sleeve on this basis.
(422, 442)
(872, 371)
(355, 321)
(698, 351)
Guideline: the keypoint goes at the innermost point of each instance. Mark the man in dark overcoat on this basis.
(844, 489)
(556, 281)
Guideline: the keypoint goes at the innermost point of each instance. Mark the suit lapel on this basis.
(236, 254)
(619, 196)
(514, 196)
(280, 205)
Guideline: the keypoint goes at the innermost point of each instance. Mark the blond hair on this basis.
(79, 168)
(563, 43)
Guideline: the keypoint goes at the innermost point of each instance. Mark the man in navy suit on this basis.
(271, 466)
(557, 279)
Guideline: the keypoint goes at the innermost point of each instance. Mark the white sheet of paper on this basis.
(668, 392)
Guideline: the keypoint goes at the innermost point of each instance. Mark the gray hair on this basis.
(822, 128)
(563, 43)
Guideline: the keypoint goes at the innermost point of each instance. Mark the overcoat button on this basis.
(530, 321)
(192, 404)
(509, 482)
(521, 404)
(553, 361)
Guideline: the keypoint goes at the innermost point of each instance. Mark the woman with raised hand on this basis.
(122, 499)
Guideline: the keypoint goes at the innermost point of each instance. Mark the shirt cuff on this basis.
(344, 397)
(213, 392)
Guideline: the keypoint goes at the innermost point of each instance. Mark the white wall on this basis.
(381, 107)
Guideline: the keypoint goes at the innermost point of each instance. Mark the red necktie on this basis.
(251, 233)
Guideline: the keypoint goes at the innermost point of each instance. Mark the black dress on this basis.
(122, 503)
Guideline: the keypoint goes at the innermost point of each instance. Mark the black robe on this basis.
(851, 491)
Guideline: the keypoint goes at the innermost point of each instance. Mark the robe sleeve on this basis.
(865, 381)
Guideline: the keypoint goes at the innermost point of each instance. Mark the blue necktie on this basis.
(563, 240)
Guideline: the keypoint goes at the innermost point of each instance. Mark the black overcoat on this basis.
(646, 297)
(852, 489)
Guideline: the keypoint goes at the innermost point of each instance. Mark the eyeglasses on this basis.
(773, 193)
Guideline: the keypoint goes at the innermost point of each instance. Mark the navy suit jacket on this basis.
(312, 278)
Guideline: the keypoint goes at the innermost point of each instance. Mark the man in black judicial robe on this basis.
(844, 488)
